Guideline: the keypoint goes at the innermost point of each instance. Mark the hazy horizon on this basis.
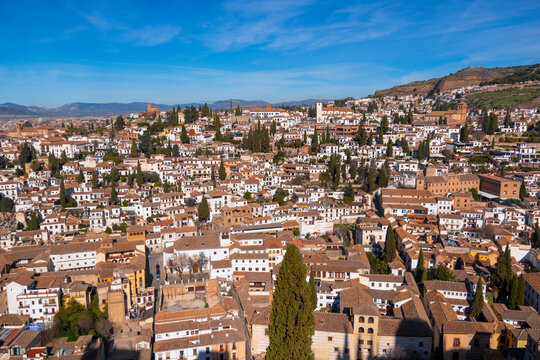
(100, 52)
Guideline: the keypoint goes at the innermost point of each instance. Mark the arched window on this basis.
(362, 319)
(361, 330)
(370, 320)
(370, 331)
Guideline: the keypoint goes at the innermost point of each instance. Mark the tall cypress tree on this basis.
(513, 296)
(134, 150)
(203, 210)
(291, 320)
(478, 302)
(95, 183)
(313, 289)
(502, 275)
(184, 135)
(523, 191)
(222, 171)
(138, 175)
(535, 241)
(315, 141)
(521, 290)
(389, 245)
(114, 196)
(63, 198)
(420, 273)
(80, 177)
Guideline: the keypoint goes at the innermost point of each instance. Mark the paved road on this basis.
(153, 259)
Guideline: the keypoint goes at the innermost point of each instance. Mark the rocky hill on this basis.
(467, 77)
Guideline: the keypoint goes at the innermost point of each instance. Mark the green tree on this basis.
(139, 175)
(291, 320)
(349, 193)
(502, 276)
(535, 240)
(420, 272)
(238, 111)
(218, 135)
(442, 273)
(384, 124)
(203, 210)
(405, 146)
(474, 193)
(80, 177)
(26, 154)
(313, 289)
(280, 195)
(114, 175)
(389, 252)
(114, 195)
(390, 149)
(383, 177)
(353, 170)
(145, 142)
(95, 183)
(119, 124)
(53, 165)
(478, 302)
(222, 171)
(361, 136)
(377, 266)
(63, 197)
(523, 191)
(134, 150)
(315, 141)
(167, 186)
(63, 157)
(34, 222)
(371, 176)
(184, 135)
(247, 195)
(521, 290)
(273, 127)
(513, 296)
(191, 114)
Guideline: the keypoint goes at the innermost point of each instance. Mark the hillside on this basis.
(467, 77)
(508, 96)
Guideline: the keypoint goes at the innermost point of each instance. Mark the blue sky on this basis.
(55, 52)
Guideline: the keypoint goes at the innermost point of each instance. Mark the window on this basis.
(361, 330)
(456, 342)
(330, 338)
(370, 331)
(371, 320)
(362, 319)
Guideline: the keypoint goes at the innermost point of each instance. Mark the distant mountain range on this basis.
(471, 76)
(111, 109)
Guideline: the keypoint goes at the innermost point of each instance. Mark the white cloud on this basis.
(152, 36)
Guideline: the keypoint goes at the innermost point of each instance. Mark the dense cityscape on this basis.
(387, 227)
(270, 179)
